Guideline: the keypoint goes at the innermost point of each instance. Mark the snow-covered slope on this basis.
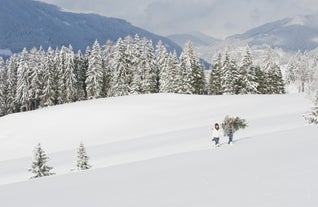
(156, 150)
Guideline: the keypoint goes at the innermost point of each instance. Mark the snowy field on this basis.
(156, 150)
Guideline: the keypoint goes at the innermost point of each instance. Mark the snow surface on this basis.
(156, 150)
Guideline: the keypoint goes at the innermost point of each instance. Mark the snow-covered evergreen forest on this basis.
(132, 65)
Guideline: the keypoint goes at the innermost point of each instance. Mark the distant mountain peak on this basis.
(290, 34)
(297, 20)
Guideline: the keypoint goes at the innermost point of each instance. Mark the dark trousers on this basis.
(216, 139)
(230, 138)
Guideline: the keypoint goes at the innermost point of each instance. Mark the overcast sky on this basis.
(217, 18)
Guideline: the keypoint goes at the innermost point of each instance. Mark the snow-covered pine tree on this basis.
(201, 81)
(94, 81)
(190, 71)
(185, 84)
(274, 78)
(312, 85)
(137, 68)
(215, 87)
(69, 76)
(61, 67)
(149, 78)
(162, 68)
(66, 74)
(57, 77)
(131, 61)
(4, 92)
(302, 72)
(198, 76)
(49, 70)
(80, 76)
(247, 84)
(35, 77)
(82, 158)
(173, 73)
(229, 76)
(23, 82)
(312, 117)
(107, 57)
(12, 67)
(39, 166)
(279, 81)
(260, 79)
(120, 82)
(291, 71)
(266, 67)
(144, 80)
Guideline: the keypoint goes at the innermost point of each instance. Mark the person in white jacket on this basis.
(216, 134)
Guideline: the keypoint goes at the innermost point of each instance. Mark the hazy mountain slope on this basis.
(27, 23)
(197, 39)
(290, 34)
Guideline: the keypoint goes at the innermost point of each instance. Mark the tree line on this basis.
(132, 65)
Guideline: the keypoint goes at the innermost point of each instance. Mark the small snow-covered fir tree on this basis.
(82, 158)
(39, 165)
(312, 117)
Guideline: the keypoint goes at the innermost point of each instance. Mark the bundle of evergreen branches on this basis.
(238, 123)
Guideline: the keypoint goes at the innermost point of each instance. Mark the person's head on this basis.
(230, 121)
(216, 126)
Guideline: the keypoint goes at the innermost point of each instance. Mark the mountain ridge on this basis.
(290, 34)
(28, 23)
